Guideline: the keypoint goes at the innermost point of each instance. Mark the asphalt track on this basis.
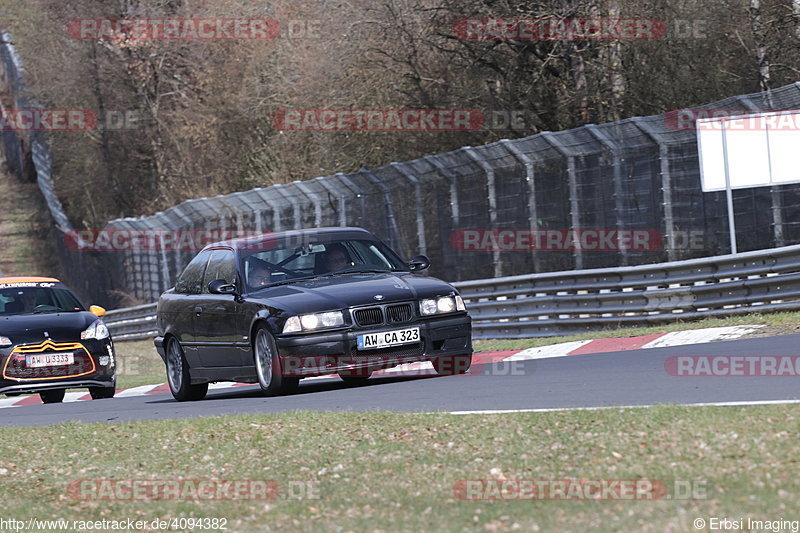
(627, 378)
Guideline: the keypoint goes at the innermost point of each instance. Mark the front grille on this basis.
(402, 351)
(399, 313)
(383, 354)
(368, 316)
(16, 366)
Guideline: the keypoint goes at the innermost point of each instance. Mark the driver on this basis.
(259, 275)
(336, 257)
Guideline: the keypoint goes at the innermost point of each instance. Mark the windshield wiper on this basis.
(332, 274)
(368, 271)
(287, 281)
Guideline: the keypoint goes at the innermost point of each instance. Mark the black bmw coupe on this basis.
(50, 342)
(283, 306)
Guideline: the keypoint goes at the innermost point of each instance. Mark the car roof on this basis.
(27, 279)
(324, 233)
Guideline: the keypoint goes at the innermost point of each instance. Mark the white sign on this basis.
(762, 149)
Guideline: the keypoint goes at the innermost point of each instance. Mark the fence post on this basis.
(574, 211)
(491, 192)
(774, 192)
(179, 261)
(391, 222)
(447, 173)
(279, 188)
(400, 167)
(276, 211)
(451, 262)
(328, 184)
(666, 183)
(315, 199)
(612, 146)
(359, 194)
(532, 210)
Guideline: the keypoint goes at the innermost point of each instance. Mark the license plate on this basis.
(49, 359)
(384, 339)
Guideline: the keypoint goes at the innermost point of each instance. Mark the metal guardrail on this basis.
(132, 323)
(577, 301)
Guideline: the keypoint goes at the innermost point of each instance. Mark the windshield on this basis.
(283, 263)
(29, 300)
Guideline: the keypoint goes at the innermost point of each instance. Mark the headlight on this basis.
(313, 322)
(441, 305)
(97, 331)
(5, 341)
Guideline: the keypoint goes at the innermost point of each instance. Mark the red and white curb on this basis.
(591, 346)
(659, 340)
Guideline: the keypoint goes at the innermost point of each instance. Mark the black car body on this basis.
(49, 342)
(220, 323)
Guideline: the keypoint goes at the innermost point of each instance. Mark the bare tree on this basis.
(762, 56)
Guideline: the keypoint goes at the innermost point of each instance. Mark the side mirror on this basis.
(419, 262)
(96, 310)
(220, 286)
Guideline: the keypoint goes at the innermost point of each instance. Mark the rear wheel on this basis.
(450, 365)
(268, 365)
(101, 393)
(52, 396)
(180, 382)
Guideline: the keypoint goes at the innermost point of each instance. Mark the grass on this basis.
(24, 224)
(381, 471)
(139, 364)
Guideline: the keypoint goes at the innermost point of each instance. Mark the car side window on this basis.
(222, 265)
(191, 280)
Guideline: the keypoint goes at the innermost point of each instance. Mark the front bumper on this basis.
(16, 378)
(313, 354)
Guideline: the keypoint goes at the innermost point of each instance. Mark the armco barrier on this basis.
(132, 323)
(577, 301)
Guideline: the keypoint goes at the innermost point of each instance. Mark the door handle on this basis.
(198, 310)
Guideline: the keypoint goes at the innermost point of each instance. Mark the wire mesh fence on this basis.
(508, 208)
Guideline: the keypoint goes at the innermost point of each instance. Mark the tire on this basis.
(101, 393)
(289, 385)
(450, 365)
(52, 396)
(355, 377)
(268, 365)
(180, 382)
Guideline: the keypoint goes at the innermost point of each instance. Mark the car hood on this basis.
(59, 326)
(349, 290)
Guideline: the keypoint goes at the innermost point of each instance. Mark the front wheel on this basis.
(268, 366)
(52, 396)
(450, 365)
(180, 382)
